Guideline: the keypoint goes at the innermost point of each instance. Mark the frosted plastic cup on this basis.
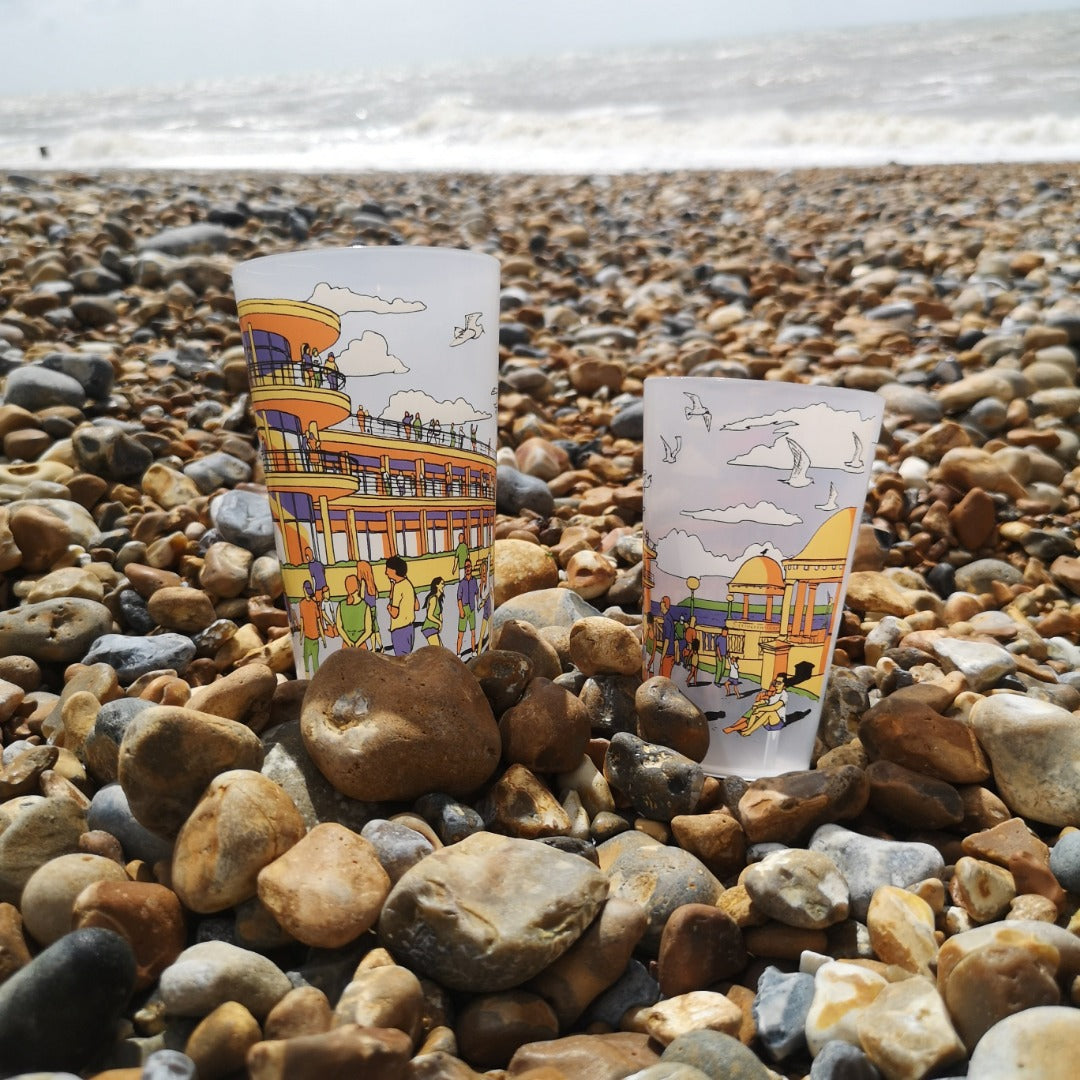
(373, 378)
(753, 494)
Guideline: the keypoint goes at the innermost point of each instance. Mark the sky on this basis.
(60, 46)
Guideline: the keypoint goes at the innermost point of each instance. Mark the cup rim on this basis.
(353, 251)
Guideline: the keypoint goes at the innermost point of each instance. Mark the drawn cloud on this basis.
(458, 411)
(763, 513)
(681, 553)
(344, 301)
(369, 354)
(827, 435)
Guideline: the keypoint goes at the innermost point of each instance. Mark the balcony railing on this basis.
(372, 481)
(430, 433)
(314, 375)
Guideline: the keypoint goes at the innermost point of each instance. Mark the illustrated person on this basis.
(318, 575)
(731, 680)
(368, 593)
(311, 628)
(721, 655)
(467, 592)
(768, 711)
(406, 424)
(485, 595)
(361, 419)
(650, 642)
(313, 445)
(472, 436)
(307, 365)
(433, 612)
(352, 615)
(334, 377)
(693, 650)
(417, 427)
(316, 369)
(402, 606)
(667, 637)
(461, 555)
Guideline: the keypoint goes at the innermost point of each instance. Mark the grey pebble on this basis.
(840, 1060)
(217, 470)
(780, 1009)
(35, 387)
(516, 491)
(1065, 861)
(243, 518)
(110, 812)
(135, 656)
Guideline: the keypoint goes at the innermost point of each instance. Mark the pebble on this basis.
(1065, 861)
(382, 728)
(866, 862)
(516, 491)
(700, 945)
(210, 973)
(543, 608)
(668, 717)
(798, 888)
(243, 518)
(134, 657)
(79, 986)
(1035, 1042)
(902, 929)
(49, 896)
(659, 782)
(36, 830)
(439, 917)
(780, 1007)
(547, 731)
(170, 754)
(716, 1054)
(55, 631)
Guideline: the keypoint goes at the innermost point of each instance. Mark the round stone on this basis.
(49, 897)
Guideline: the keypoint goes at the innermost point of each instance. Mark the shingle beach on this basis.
(524, 871)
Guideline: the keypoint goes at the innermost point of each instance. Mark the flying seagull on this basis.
(671, 452)
(856, 463)
(830, 503)
(697, 408)
(471, 329)
(798, 477)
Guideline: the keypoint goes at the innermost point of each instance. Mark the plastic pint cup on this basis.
(373, 376)
(753, 494)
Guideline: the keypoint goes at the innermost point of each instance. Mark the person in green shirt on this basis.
(353, 615)
(461, 556)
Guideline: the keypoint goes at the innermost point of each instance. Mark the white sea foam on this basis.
(985, 90)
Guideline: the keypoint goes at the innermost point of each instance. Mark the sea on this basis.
(994, 89)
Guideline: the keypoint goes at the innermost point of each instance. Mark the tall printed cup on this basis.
(373, 377)
(753, 494)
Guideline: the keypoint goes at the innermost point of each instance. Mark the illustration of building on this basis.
(347, 485)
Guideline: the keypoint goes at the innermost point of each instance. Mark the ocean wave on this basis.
(453, 135)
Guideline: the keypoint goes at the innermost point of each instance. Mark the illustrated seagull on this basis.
(856, 464)
(798, 477)
(471, 329)
(697, 408)
(671, 453)
(830, 503)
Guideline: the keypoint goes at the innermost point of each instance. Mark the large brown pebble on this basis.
(327, 889)
(169, 754)
(54, 631)
(547, 731)
(182, 609)
(593, 963)
(490, 1028)
(304, 1010)
(490, 911)
(700, 946)
(242, 823)
(973, 519)
(220, 1042)
(147, 914)
(382, 728)
(1013, 845)
(911, 798)
(383, 997)
(916, 736)
(996, 981)
(967, 467)
(716, 838)
(665, 715)
(14, 953)
(784, 808)
(243, 695)
(522, 567)
(381, 1053)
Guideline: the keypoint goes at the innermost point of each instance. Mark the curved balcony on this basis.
(274, 385)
